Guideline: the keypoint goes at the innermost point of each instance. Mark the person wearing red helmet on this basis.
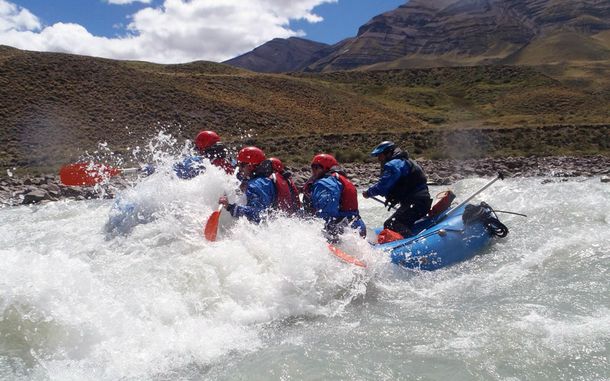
(287, 193)
(260, 191)
(208, 146)
(330, 195)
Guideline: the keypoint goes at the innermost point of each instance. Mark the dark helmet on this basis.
(383, 147)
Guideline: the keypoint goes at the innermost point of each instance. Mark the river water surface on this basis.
(147, 298)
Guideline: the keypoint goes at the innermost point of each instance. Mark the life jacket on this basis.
(285, 195)
(349, 194)
(285, 199)
(294, 192)
(408, 185)
(224, 164)
(218, 156)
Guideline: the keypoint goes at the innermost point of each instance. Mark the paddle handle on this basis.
(499, 177)
(381, 201)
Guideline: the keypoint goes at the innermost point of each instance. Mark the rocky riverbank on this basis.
(44, 189)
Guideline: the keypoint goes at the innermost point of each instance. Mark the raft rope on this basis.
(485, 213)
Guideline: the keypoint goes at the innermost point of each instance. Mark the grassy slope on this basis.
(500, 96)
(53, 107)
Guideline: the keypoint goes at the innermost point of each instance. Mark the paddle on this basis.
(342, 255)
(211, 227)
(381, 202)
(88, 173)
(499, 177)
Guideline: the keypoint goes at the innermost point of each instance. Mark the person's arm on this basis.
(391, 174)
(189, 168)
(260, 197)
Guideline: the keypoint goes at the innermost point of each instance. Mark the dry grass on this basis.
(53, 107)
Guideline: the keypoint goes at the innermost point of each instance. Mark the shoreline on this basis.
(42, 189)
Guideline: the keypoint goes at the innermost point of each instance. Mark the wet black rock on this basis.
(34, 196)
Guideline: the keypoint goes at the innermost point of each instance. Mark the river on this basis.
(152, 300)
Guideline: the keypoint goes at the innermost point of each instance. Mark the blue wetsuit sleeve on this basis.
(260, 195)
(189, 168)
(391, 173)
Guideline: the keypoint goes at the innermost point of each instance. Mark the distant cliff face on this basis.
(279, 55)
(425, 33)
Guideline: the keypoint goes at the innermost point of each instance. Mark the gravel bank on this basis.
(44, 189)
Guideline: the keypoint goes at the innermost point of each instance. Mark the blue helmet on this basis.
(383, 147)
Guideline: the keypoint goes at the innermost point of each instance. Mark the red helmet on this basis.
(251, 155)
(206, 139)
(325, 160)
(277, 165)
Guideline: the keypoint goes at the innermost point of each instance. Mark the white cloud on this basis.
(178, 31)
(16, 18)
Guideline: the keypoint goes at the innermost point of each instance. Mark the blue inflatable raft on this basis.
(453, 236)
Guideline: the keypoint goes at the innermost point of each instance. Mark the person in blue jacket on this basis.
(402, 182)
(209, 147)
(259, 188)
(331, 196)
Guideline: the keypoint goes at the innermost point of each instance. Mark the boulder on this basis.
(72, 191)
(34, 196)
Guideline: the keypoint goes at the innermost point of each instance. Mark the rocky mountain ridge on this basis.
(280, 55)
(434, 33)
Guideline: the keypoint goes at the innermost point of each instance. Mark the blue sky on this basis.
(342, 19)
(177, 30)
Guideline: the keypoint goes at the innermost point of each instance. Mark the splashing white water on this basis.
(82, 299)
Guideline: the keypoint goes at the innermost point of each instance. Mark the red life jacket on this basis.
(294, 192)
(349, 195)
(224, 164)
(284, 194)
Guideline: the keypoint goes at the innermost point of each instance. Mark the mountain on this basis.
(280, 55)
(434, 33)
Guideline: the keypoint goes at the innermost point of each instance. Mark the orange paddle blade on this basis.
(85, 173)
(211, 227)
(342, 255)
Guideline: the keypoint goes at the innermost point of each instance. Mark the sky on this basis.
(177, 31)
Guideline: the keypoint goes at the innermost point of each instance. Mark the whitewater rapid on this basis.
(83, 300)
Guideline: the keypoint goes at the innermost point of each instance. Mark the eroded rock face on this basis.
(425, 33)
(463, 31)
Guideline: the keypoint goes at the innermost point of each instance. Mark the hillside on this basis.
(54, 107)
